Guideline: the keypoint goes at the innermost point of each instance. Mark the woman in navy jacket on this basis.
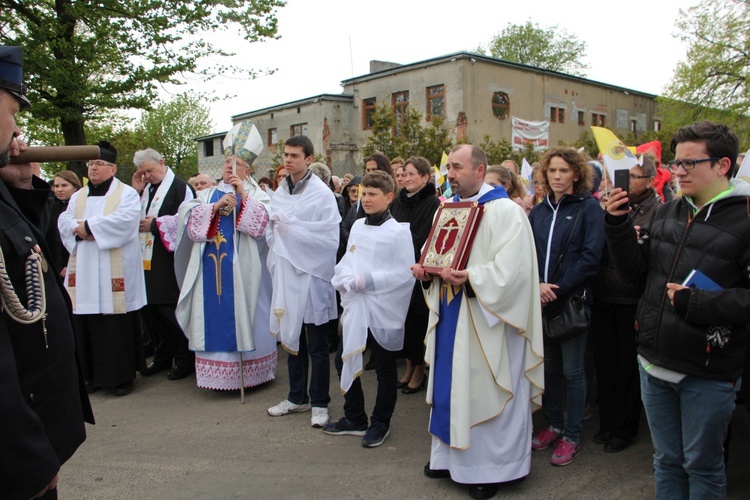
(567, 180)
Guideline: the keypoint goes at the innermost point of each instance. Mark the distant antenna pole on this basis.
(351, 57)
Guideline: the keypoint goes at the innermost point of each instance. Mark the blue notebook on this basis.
(701, 281)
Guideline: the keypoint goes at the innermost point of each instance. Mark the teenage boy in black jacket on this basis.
(691, 340)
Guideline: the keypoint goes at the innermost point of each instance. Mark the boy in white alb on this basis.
(375, 283)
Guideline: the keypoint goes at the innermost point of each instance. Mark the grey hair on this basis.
(141, 157)
(322, 171)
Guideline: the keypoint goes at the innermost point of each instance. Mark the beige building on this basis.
(478, 95)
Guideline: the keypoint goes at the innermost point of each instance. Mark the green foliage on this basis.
(381, 135)
(588, 143)
(715, 78)
(499, 151)
(171, 129)
(85, 59)
(415, 138)
(551, 48)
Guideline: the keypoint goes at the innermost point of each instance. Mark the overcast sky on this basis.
(629, 44)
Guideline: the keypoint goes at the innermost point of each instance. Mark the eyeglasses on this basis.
(634, 176)
(99, 163)
(688, 164)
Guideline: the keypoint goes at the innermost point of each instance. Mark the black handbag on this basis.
(570, 320)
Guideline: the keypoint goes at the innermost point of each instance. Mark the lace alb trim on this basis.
(199, 222)
(225, 375)
(167, 225)
(253, 219)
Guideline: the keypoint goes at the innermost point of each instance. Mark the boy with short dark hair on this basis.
(375, 283)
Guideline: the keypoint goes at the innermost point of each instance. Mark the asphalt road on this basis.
(170, 439)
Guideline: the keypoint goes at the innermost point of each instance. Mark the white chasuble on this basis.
(95, 286)
(375, 282)
(250, 294)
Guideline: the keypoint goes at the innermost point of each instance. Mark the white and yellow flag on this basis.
(744, 171)
(616, 155)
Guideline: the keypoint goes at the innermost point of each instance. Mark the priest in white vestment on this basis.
(484, 342)
(104, 276)
(225, 288)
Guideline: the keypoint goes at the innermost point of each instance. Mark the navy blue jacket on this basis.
(552, 225)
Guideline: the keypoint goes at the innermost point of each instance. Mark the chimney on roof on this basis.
(382, 65)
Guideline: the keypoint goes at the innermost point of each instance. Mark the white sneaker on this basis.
(319, 417)
(286, 407)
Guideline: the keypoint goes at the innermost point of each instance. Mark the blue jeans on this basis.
(313, 341)
(564, 365)
(688, 423)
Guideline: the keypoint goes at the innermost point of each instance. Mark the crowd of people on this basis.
(215, 273)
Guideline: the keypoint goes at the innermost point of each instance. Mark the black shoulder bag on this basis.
(571, 320)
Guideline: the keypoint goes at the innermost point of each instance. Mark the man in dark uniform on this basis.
(162, 193)
(42, 404)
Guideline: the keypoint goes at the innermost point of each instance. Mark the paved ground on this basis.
(169, 439)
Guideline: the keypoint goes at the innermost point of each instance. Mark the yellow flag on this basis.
(615, 154)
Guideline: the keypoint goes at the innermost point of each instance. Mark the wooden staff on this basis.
(57, 153)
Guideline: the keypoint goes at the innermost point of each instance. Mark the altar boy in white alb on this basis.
(303, 236)
(375, 282)
(105, 275)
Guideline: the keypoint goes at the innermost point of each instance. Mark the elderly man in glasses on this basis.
(693, 317)
(105, 275)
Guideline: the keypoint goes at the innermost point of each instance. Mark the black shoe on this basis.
(178, 373)
(156, 367)
(401, 385)
(483, 490)
(413, 390)
(90, 387)
(123, 389)
(616, 444)
(602, 437)
(436, 473)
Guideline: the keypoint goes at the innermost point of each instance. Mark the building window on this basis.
(657, 125)
(368, 110)
(556, 115)
(581, 118)
(634, 126)
(273, 136)
(500, 105)
(208, 148)
(299, 129)
(400, 104)
(598, 120)
(435, 101)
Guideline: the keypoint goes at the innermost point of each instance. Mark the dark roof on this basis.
(212, 136)
(491, 60)
(293, 104)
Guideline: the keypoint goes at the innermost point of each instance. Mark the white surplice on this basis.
(375, 282)
(303, 236)
(119, 229)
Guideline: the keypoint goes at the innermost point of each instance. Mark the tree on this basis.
(84, 59)
(171, 129)
(551, 48)
(414, 139)
(715, 78)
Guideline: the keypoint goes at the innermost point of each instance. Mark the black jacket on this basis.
(610, 286)
(418, 210)
(42, 402)
(706, 333)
